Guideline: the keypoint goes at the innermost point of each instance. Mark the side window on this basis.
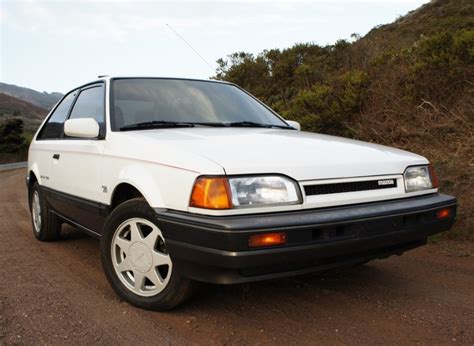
(54, 127)
(90, 104)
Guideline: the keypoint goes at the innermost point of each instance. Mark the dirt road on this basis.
(57, 293)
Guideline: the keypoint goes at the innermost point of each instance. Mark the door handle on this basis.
(56, 156)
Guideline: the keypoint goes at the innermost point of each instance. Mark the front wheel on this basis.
(136, 261)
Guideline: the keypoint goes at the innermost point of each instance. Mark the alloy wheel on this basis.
(140, 258)
(36, 212)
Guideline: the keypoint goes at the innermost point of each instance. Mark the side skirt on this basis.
(75, 224)
(85, 214)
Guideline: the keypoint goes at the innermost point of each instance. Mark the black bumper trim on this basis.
(239, 259)
(302, 218)
(215, 249)
(224, 276)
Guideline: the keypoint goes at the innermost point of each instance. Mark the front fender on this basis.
(161, 186)
(143, 181)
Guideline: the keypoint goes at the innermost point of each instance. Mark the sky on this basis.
(58, 45)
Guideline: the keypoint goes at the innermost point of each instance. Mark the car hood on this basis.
(300, 155)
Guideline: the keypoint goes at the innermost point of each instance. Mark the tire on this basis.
(46, 226)
(136, 262)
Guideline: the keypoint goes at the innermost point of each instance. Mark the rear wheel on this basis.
(136, 261)
(46, 226)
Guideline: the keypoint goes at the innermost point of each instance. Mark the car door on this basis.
(49, 138)
(77, 163)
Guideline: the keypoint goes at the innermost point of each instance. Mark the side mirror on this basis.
(82, 128)
(294, 124)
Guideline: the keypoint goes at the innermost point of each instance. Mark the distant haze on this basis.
(40, 99)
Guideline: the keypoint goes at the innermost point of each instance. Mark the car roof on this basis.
(109, 77)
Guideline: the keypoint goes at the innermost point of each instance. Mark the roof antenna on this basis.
(194, 50)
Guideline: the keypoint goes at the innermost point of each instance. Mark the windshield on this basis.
(158, 101)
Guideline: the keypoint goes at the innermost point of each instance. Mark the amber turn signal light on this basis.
(443, 213)
(211, 193)
(434, 177)
(267, 239)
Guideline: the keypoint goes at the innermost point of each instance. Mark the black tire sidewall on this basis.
(176, 290)
(43, 233)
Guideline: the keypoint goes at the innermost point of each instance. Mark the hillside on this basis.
(40, 99)
(427, 20)
(30, 116)
(408, 84)
(13, 106)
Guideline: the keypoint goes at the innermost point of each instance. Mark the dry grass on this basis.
(444, 136)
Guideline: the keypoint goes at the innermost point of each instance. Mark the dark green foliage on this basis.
(330, 107)
(441, 64)
(11, 137)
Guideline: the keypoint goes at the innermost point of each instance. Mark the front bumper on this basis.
(215, 249)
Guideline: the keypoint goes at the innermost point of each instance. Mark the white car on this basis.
(196, 180)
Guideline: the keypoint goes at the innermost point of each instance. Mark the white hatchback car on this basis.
(191, 180)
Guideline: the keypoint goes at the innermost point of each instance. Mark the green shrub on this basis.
(328, 108)
(11, 139)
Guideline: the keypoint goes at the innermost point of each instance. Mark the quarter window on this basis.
(90, 104)
(54, 127)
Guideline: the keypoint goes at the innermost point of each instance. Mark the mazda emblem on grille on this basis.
(386, 182)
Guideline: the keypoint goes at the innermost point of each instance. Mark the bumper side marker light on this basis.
(267, 239)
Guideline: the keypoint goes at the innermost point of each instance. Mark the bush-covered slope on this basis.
(408, 84)
(31, 115)
(19, 120)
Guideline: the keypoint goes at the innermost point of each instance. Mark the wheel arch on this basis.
(33, 171)
(32, 178)
(123, 192)
(136, 179)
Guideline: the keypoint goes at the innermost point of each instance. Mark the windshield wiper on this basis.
(155, 124)
(164, 124)
(254, 124)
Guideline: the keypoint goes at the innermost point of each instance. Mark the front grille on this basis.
(326, 189)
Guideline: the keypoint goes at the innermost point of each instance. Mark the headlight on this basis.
(239, 192)
(262, 191)
(418, 178)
